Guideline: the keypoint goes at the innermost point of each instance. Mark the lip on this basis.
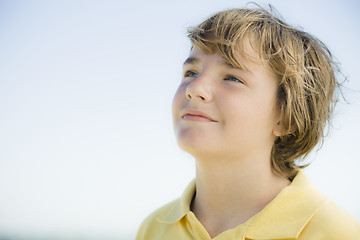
(196, 115)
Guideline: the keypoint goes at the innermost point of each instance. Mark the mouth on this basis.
(197, 116)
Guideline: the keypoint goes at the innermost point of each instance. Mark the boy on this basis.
(256, 95)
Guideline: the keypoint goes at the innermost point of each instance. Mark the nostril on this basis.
(188, 96)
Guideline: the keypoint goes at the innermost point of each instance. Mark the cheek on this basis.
(178, 100)
(248, 113)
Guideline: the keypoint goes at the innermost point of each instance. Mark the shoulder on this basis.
(329, 222)
(151, 225)
(164, 221)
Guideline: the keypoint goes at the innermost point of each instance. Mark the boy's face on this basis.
(225, 112)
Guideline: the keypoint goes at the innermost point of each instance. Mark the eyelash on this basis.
(228, 78)
(188, 73)
(234, 79)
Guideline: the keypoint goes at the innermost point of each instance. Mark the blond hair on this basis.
(302, 64)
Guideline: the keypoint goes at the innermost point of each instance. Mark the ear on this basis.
(279, 129)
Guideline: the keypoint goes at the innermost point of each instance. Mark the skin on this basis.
(227, 118)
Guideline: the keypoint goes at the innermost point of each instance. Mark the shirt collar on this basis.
(182, 207)
(288, 212)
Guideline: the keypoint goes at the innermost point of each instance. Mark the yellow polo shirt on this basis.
(299, 211)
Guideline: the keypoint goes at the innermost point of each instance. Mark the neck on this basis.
(229, 193)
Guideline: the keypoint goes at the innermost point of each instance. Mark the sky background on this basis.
(87, 148)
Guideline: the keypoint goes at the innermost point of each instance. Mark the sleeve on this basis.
(331, 222)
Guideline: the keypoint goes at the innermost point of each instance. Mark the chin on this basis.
(198, 151)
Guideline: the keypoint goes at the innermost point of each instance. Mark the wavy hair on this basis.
(304, 68)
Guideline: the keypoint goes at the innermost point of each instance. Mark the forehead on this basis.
(197, 56)
(245, 58)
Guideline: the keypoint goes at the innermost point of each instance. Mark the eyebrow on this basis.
(194, 60)
(191, 60)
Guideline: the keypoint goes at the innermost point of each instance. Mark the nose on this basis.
(199, 89)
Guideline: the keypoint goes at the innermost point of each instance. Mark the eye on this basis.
(233, 79)
(190, 74)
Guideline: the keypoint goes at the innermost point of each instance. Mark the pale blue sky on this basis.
(86, 140)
